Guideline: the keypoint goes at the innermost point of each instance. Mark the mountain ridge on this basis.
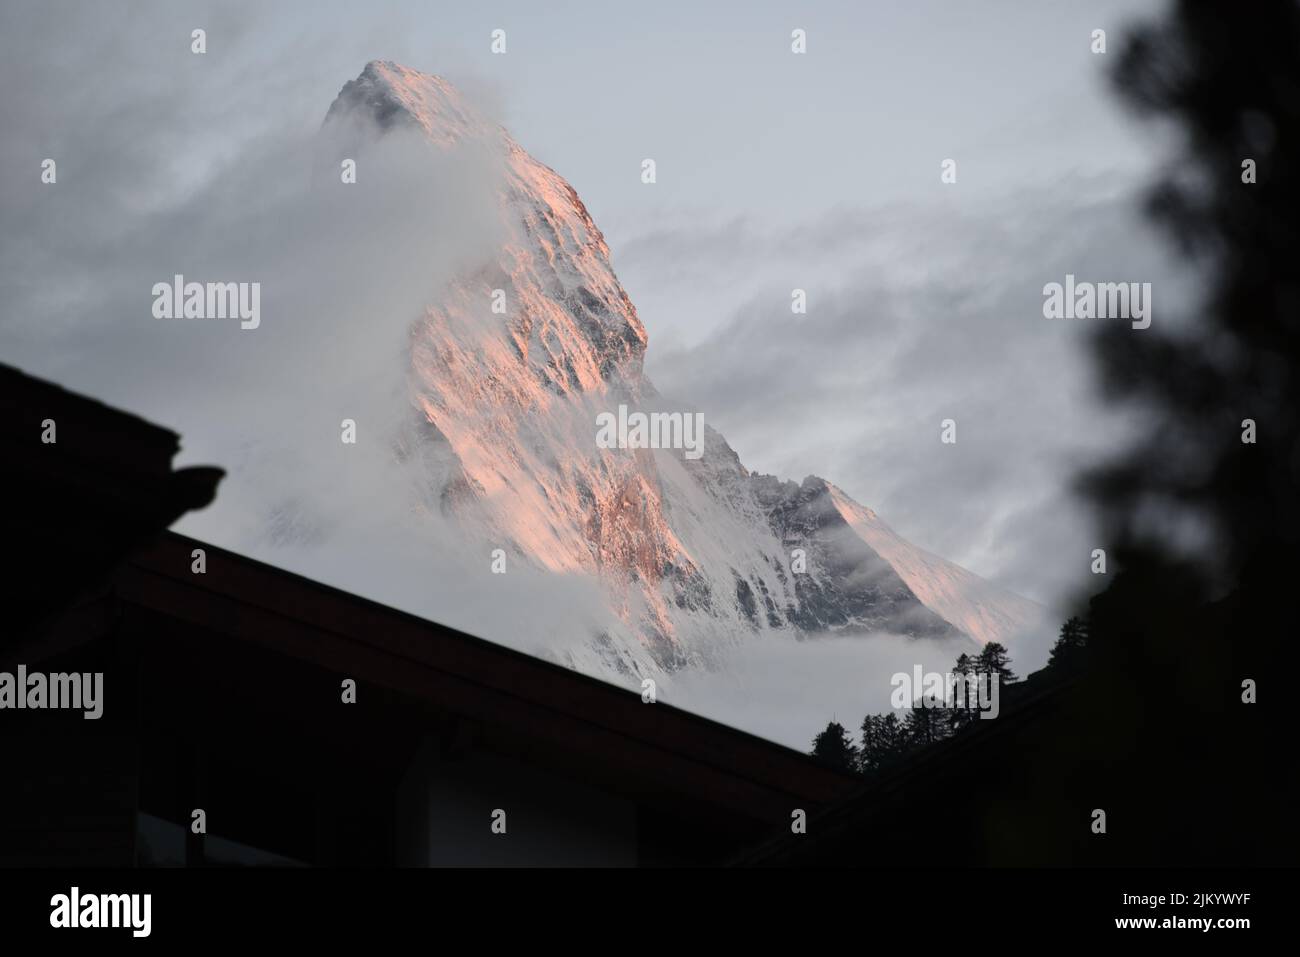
(508, 370)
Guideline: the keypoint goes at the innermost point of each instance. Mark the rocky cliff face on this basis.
(508, 370)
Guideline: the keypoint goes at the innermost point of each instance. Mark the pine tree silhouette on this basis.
(835, 748)
(884, 742)
(926, 723)
(965, 669)
(993, 659)
(1071, 646)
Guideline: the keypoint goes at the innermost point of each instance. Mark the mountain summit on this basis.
(509, 370)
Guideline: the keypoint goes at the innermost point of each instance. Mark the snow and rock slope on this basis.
(507, 370)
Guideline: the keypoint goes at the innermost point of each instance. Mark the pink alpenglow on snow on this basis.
(513, 362)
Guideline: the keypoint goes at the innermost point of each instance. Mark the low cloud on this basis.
(787, 691)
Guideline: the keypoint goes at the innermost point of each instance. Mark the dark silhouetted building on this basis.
(223, 692)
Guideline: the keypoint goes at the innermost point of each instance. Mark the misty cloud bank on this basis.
(787, 690)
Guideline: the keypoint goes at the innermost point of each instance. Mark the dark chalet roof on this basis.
(76, 506)
(609, 730)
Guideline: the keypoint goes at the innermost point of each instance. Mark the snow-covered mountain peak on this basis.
(509, 367)
(393, 95)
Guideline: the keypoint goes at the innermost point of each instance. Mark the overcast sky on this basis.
(775, 171)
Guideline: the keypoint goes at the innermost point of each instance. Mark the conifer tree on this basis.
(884, 741)
(1071, 645)
(993, 659)
(834, 747)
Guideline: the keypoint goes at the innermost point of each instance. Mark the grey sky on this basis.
(775, 171)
